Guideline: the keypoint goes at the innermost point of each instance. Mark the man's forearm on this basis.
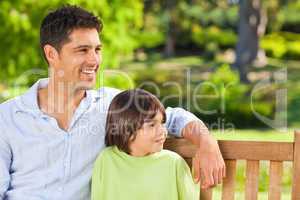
(208, 163)
(197, 133)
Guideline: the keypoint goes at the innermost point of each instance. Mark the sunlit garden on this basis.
(235, 64)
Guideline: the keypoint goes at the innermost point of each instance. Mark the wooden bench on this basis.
(253, 153)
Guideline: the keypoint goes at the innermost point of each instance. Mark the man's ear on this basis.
(51, 53)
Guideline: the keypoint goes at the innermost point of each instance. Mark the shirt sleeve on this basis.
(5, 162)
(186, 187)
(177, 119)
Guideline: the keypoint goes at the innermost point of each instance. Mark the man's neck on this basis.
(60, 101)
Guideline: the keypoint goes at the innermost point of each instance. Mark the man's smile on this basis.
(88, 71)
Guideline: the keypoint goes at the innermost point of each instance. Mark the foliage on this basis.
(283, 45)
(231, 100)
(21, 19)
(199, 27)
(220, 96)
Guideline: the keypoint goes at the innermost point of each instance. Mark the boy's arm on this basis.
(186, 187)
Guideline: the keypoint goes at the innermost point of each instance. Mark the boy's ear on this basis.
(131, 138)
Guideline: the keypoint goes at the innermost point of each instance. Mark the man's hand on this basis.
(208, 164)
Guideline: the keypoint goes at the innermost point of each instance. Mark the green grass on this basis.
(255, 135)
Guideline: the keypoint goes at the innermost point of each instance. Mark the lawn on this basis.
(256, 135)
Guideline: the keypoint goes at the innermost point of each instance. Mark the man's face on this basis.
(78, 60)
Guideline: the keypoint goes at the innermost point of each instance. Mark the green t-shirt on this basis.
(160, 176)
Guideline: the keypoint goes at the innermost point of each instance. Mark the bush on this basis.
(232, 104)
(212, 38)
(282, 45)
(222, 94)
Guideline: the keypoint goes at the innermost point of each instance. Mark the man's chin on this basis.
(85, 85)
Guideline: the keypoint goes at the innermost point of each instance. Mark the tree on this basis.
(250, 28)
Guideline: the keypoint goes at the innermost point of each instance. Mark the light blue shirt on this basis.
(40, 161)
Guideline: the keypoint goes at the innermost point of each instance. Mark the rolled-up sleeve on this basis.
(177, 119)
(5, 162)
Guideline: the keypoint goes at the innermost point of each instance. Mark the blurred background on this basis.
(233, 63)
(219, 50)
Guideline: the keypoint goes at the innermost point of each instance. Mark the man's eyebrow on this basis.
(88, 46)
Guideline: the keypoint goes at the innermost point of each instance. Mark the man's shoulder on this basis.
(6, 110)
(108, 91)
(9, 104)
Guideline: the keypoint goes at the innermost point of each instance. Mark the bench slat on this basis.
(206, 194)
(296, 168)
(253, 152)
(229, 181)
(189, 162)
(239, 150)
(252, 175)
(275, 180)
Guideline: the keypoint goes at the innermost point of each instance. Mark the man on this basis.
(51, 135)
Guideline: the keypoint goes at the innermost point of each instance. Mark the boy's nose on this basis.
(163, 132)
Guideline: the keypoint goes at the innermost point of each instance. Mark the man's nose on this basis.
(93, 58)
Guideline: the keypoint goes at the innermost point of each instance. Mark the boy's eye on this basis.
(152, 125)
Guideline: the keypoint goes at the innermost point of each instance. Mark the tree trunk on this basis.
(248, 32)
(170, 43)
(169, 50)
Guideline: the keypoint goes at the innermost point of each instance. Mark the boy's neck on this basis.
(138, 153)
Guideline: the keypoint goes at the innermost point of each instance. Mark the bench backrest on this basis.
(253, 152)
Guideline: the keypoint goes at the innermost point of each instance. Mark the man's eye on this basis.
(83, 50)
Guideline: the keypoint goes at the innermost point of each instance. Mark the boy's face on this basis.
(150, 138)
(78, 61)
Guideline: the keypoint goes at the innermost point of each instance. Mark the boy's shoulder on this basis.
(106, 151)
(110, 152)
(104, 154)
(170, 154)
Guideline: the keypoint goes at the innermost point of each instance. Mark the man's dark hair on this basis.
(58, 25)
(127, 113)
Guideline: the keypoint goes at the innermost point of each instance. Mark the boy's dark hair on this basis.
(127, 113)
(58, 25)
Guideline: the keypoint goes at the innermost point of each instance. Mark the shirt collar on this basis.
(29, 101)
